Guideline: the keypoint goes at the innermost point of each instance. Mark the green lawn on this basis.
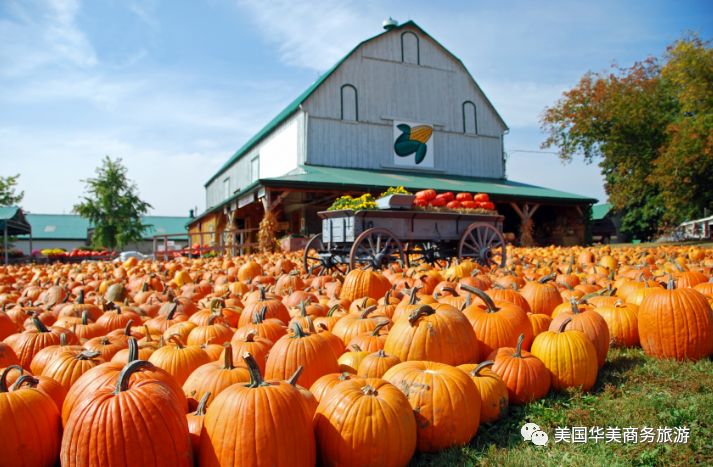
(632, 390)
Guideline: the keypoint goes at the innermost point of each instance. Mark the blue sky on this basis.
(175, 86)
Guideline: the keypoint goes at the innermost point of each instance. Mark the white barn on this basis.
(339, 137)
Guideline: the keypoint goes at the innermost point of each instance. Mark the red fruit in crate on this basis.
(482, 197)
(489, 206)
(426, 194)
(469, 204)
(464, 197)
(420, 202)
(454, 205)
(437, 202)
(448, 195)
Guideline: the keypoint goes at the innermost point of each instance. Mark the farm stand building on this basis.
(353, 131)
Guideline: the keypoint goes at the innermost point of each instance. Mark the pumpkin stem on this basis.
(489, 303)
(133, 350)
(212, 318)
(518, 348)
(217, 304)
(127, 328)
(369, 390)
(176, 339)
(295, 376)
(250, 336)
(5, 372)
(228, 356)
(63, 339)
(450, 290)
(573, 304)
(476, 370)
(546, 278)
(148, 334)
(30, 380)
(332, 310)
(378, 327)
(670, 286)
(255, 376)
(259, 316)
(85, 317)
(366, 312)
(172, 311)
(297, 329)
(380, 353)
(200, 410)
(262, 293)
(123, 383)
(564, 324)
(356, 348)
(303, 308)
(88, 355)
(413, 298)
(39, 325)
(310, 325)
(423, 310)
(80, 297)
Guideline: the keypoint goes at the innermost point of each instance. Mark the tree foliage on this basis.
(113, 206)
(8, 194)
(649, 127)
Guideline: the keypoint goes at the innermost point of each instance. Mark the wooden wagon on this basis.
(376, 238)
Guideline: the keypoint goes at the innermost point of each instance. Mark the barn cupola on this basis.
(389, 24)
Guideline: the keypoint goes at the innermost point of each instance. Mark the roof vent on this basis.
(389, 24)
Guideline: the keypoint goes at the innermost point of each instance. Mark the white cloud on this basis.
(43, 33)
(312, 34)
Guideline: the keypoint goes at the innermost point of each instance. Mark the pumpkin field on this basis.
(256, 361)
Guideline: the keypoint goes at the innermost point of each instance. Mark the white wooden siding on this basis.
(432, 92)
(280, 152)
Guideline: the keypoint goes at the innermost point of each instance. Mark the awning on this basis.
(13, 218)
(499, 190)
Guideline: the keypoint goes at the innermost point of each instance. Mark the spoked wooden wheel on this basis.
(483, 243)
(319, 261)
(376, 248)
(430, 253)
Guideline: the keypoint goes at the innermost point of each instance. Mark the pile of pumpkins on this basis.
(255, 361)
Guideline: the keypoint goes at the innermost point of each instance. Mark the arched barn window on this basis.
(470, 119)
(350, 103)
(410, 48)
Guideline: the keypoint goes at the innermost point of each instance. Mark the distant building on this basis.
(697, 229)
(605, 224)
(398, 110)
(69, 231)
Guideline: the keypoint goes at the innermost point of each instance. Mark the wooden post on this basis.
(526, 228)
(165, 247)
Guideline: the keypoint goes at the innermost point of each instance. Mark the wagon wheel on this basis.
(319, 261)
(484, 243)
(376, 248)
(428, 252)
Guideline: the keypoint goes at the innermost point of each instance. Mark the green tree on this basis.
(113, 206)
(8, 195)
(684, 168)
(648, 127)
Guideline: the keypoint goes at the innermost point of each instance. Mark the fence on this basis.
(235, 241)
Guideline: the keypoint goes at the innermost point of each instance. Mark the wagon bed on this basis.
(375, 238)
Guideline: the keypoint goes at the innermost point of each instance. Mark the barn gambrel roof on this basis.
(294, 106)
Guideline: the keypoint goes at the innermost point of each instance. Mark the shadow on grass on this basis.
(617, 369)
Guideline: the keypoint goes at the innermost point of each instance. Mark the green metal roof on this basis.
(293, 106)
(600, 211)
(332, 177)
(14, 219)
(74, 227)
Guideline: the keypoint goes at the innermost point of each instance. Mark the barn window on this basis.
(255, 168)
(410, 48)
(350, 103)
(470, 118)
(226, 188)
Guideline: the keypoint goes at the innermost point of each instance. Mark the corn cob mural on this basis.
(413, 140)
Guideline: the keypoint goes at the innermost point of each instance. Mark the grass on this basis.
(632, 390)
